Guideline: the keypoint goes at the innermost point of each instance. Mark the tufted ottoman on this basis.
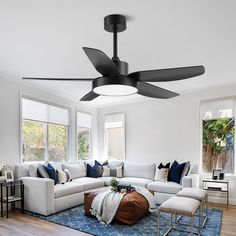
(132, 208)
(180, 206)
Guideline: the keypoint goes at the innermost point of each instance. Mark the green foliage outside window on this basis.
(83, 143)
(39, 138)
(34, 141)
(218, 145)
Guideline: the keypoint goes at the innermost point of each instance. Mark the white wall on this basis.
(164, 130)
(10, 94)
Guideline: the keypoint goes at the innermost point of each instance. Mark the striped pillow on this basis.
(63, 176)
(41, 172)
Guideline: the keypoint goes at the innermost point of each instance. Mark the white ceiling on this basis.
(44, 38)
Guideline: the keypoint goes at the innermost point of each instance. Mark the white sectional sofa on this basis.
(41, 196)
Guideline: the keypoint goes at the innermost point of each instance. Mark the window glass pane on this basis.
(115, 144)
(57, 142)
(218, 145)
(84, 139)
(34, 136)
(115, 136)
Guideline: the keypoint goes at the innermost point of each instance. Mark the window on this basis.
(115, 136)
(218, 132)
(84, 135)
(44, 132)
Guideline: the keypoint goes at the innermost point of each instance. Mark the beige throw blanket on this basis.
(105, 206)
(150, 198)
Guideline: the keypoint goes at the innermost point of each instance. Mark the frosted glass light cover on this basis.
(115, 90)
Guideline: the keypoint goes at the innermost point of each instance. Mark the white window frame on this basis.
(91, 135)
(23, 96)
(105, 147)
(201, 130)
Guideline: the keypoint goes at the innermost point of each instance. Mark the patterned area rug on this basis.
(74, 218)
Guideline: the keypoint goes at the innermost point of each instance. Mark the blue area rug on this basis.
(74, 218)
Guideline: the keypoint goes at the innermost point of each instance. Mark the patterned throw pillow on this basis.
(41, 172)
(68, 175)
(116, 172)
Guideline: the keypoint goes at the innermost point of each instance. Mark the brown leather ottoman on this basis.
(132, 207)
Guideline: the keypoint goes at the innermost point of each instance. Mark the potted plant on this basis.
(114, 184)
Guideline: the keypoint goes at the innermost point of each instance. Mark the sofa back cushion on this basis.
(146, 171)
(114, 164)
(21, 171)
(76, 170)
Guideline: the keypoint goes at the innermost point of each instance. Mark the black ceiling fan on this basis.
(116, 81)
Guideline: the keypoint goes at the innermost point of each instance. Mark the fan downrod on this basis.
(115, 24)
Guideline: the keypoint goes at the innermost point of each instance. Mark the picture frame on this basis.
(9, 176)
(216, 174)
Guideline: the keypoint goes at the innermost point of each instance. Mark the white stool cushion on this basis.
(180, 205)
(195, 193)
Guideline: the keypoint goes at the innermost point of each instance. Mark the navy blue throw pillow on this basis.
(162, 166)
(51, 172)
(103, 164)
(176, 171)
(93, 171)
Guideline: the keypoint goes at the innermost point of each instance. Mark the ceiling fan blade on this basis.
(89, 96)
(58, 79)
(166, 75)
(153, 91)
(102, 63)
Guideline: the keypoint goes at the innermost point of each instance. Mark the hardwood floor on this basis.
(24, 225)
(228, 227)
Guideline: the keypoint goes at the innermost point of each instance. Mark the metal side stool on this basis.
(200, 195)
(180, 206)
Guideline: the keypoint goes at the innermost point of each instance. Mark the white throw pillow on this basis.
(161, 174)
(106, 171)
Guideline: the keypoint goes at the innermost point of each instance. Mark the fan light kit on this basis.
(116, 81)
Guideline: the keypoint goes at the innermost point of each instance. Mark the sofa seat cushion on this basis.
(61, 190)
(135, 181)
(90, 183)
(164, 187)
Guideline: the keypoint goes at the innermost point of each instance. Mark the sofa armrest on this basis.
(39, 195)
(190, 181)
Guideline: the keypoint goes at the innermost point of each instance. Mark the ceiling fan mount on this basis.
(116, 81)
